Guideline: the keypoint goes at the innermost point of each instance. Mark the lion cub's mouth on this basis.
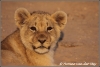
(41, 49)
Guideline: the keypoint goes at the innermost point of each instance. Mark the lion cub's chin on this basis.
(41, 50)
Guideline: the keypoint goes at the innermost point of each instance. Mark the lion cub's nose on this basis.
(41, 41)
(42, 38)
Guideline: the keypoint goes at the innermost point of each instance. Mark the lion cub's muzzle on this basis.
(42, 38)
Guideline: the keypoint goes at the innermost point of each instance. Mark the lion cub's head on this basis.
(40, 30)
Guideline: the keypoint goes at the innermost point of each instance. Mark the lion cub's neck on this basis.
(40, 59)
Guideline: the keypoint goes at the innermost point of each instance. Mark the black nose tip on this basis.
(41, 41)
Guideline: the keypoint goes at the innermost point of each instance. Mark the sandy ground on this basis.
(80, 42)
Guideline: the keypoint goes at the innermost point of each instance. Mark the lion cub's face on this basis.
(39, 30)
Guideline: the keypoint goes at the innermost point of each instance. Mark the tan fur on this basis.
(33, 43)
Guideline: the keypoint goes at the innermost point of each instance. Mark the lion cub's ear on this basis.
(61, 18)
(20, 15)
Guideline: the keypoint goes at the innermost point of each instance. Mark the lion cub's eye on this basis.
(49, 28)
(33, 28)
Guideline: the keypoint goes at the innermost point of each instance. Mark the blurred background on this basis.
(80, 42)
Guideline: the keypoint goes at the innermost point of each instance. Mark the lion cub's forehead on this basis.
(41, 20)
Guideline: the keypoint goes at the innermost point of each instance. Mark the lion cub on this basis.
(33, 43)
